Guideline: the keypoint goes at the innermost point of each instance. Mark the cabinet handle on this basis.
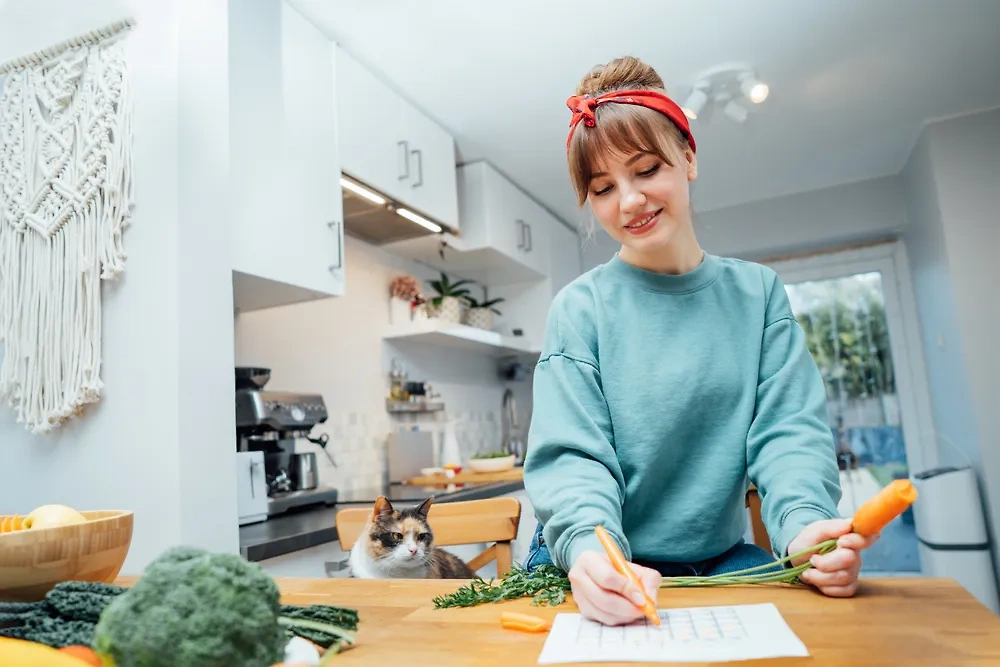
(520, 233)
(420, 167)
(335, 225)
(406, 159)
(530, 242)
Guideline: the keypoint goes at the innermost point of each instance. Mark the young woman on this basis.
(670, 378)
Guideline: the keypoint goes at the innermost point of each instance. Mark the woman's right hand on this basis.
(606, 596)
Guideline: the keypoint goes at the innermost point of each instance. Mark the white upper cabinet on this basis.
(431, 186)
(287, 229)
(497, 217)
(565, 263)
(392, 147)
(371, 149)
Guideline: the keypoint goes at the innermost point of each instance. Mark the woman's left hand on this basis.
(835, 573)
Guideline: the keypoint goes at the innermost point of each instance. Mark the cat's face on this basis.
(400, 539)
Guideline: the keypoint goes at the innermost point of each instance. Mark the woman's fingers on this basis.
(838, 559)
(824, 580)
(651, 580)
(600, 591)
(602, 606)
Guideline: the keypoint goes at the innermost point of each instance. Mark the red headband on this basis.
(583, 107)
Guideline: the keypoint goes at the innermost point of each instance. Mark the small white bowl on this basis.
(492, 465)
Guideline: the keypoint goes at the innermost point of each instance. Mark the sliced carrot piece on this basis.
(18, 523)
(6, 524)
(513, 620)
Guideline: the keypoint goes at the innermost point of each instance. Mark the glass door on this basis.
(851, 308)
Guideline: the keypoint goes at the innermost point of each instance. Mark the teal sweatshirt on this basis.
(658, 397)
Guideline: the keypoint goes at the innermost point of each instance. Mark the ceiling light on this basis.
(362, 191)
(736, 111)
(755, 91)
(423, 222)
(695, 102)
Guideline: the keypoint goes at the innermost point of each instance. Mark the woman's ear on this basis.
(692, 164)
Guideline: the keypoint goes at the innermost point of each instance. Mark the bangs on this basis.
(621, 130)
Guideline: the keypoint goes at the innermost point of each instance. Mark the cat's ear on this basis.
(425, 507)
(382, 507)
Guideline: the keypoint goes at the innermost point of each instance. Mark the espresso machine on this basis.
(269, 422)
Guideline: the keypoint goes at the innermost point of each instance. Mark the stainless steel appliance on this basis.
(409, 453)
(270, 422)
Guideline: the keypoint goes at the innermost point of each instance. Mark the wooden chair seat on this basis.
(493, 520)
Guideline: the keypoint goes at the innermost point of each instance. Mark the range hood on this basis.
(377, 219)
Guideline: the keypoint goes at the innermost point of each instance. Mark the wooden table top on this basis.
(913, 622)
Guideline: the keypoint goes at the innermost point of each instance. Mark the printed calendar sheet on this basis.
(697, 634)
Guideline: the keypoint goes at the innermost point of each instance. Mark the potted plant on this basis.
(404, 297)
(447, 304)
(480, 313)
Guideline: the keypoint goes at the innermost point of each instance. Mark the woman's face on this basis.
(642, 201)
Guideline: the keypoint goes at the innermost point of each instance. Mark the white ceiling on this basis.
(852, 81)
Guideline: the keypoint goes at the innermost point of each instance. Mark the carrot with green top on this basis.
(886, 505)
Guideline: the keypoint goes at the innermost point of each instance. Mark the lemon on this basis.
(52, 516)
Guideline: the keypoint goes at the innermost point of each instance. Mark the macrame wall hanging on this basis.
(65, 198)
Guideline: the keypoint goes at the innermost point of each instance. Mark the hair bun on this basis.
(622, 73)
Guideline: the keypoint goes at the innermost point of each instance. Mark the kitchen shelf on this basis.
(396, 407)
(459, 336)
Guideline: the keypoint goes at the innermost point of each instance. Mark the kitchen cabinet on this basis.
(565, 263)
(287, 231)
(526, 307)
(391, 146)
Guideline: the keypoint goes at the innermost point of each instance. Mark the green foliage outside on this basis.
(847, 334)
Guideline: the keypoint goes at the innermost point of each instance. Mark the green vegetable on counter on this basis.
(67, 616)
(491, 455)
(201, 609)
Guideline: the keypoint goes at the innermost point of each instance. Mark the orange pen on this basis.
(622, 565)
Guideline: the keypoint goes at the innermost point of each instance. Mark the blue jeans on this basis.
(738, 557)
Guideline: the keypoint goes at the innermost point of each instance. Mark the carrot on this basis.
(523, 622)
(84, 653)
(622, 565)
(887, 504)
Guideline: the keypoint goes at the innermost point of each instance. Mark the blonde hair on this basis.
(621, 128)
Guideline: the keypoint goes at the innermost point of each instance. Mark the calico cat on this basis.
(400, 545)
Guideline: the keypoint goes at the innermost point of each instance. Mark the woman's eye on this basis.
(398, 537)
(603, 191)
(649, 172)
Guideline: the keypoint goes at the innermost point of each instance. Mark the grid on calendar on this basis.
(682, 625)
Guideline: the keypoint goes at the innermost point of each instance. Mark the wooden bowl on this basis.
(33, 561)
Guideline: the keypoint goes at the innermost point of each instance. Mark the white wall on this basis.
(807, 221)
(953, 180)
(334, 347)
(156, 442)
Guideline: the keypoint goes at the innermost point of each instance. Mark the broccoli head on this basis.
(194, 608)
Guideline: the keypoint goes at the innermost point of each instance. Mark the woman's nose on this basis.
(632, 200)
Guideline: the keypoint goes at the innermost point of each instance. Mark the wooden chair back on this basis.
(760, 536)
(491, 521)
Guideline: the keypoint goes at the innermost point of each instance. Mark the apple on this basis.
(52, 516)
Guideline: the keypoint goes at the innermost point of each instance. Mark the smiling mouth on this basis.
(642, 222)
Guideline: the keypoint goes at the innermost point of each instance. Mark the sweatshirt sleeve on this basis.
(571, 471)
(791, 456)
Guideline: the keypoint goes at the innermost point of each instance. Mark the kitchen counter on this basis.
(311, 526)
